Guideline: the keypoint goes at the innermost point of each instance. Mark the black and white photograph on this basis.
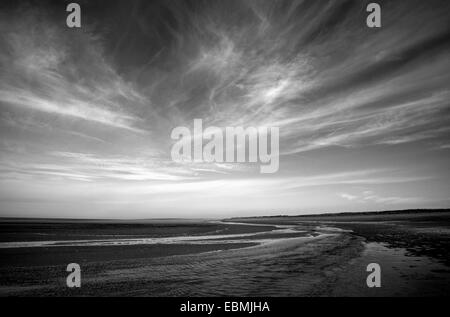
(224, 148)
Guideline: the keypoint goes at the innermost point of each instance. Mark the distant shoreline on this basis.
(188, 220)
(356, 213)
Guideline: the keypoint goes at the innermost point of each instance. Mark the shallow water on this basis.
(287, 261)
(198, 239)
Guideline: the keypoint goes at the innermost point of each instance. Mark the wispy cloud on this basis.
(359, 110)
(371, 197)
(45, 71)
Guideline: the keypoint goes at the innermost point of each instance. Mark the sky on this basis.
(86, 113)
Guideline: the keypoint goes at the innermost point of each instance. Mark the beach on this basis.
(273, 256)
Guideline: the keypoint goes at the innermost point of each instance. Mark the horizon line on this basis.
(345, 213)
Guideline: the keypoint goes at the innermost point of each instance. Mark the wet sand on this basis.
(402, 274)
(291, 267)
(283, 256)
(412, 248)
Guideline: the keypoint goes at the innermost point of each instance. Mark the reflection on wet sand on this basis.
(290, 259)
